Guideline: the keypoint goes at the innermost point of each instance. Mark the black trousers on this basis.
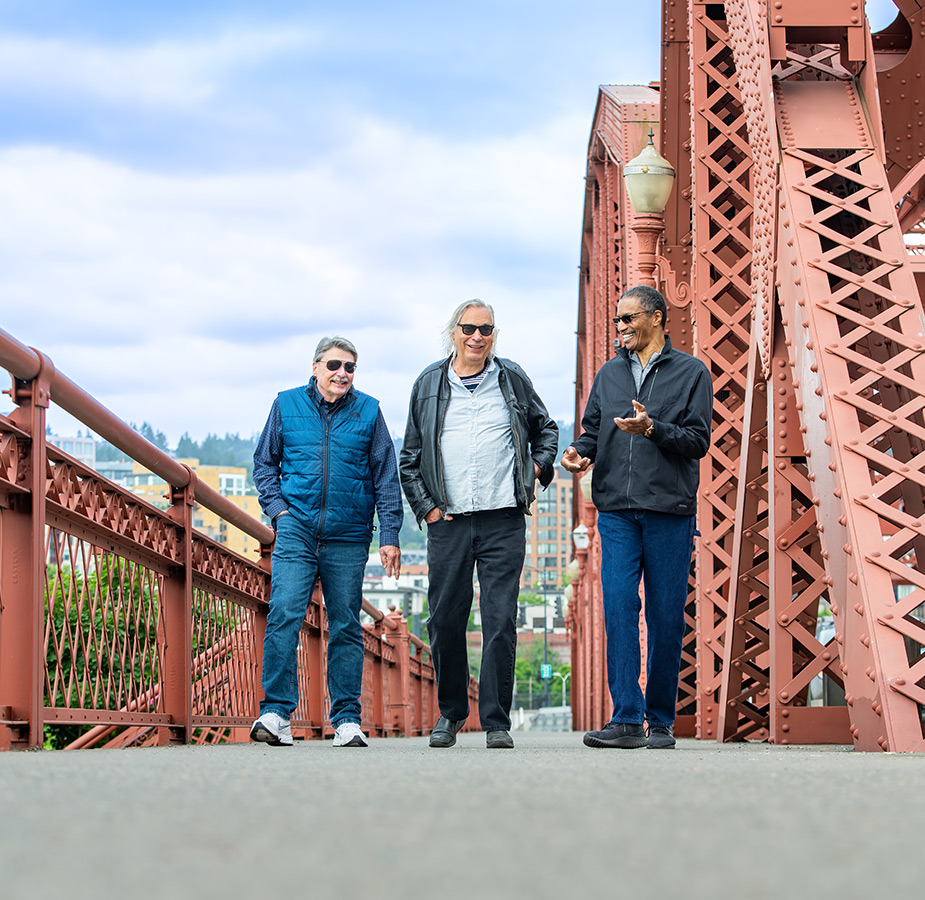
(492, 543)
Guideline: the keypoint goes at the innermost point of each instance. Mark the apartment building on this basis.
(549, 538)
(227, 480)
(82, 447)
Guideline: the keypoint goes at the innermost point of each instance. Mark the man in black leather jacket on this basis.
(646, 426)
(477, 440)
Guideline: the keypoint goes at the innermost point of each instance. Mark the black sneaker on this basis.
(661, 737)
(613, 734)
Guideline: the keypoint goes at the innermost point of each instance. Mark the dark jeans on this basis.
(493, 543)
(298, 560)
(657, 548)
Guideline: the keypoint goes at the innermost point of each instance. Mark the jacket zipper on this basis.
(324, 485)
(326, 422)
(629, 467)
(629, 470)
(652, 383)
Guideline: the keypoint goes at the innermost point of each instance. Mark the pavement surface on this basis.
(549, 819)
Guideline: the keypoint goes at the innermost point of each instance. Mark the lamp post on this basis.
(541, 583)
(564, 678)
(545, 644)
(649, 178)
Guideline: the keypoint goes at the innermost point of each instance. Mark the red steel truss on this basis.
(119, 615)
(796, 223)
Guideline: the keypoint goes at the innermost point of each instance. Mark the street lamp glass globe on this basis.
(580, 537)
(649, 178)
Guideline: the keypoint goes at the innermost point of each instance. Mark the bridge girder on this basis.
(805, 180)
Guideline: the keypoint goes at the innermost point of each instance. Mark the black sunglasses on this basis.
(484, 330)
(334, 364)
(628, 317)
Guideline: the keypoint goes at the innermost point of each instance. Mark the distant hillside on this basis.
(230, 450)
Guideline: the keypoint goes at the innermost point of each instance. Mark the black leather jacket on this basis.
(420, 464)
(660, 472)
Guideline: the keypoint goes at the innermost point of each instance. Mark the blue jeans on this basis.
(655, 547)
(298, 561)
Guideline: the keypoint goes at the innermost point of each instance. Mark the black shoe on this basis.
(661, 737)
(444, 733)
(626, 737)
(498, 740)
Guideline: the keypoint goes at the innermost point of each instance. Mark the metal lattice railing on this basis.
(120, 625)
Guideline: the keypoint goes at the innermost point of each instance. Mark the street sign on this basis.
(545, 670)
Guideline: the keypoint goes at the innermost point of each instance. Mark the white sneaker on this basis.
(349, 735)
(272, 729)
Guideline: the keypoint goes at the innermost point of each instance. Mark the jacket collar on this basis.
(445, 365)
(318, 400)
(664, 353)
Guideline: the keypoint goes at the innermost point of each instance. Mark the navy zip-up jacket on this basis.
(660, 473)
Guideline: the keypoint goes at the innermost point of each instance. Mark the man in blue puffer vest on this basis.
(324, 463)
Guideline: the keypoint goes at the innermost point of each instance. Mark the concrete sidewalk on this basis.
(551, 818)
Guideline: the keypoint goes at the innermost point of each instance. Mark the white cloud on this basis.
(163, 73)
(189, 301)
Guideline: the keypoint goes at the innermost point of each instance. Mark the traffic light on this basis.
(521, 615)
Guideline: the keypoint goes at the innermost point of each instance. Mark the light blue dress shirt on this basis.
(477, 446)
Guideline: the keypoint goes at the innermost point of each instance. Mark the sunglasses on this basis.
(334, 364)
(628, 317)
(484, 330)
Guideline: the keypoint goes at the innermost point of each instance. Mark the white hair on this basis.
(449, 348)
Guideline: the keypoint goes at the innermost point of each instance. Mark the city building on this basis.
(117, 470)
(549, 538)
(230, 481)
(81, 447)
(407, 593)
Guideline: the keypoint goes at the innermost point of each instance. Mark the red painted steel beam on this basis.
(723, 232)
(24, 363)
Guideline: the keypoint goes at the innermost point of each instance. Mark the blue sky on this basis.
(194, 193)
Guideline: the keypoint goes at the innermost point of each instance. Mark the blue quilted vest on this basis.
(325, 474)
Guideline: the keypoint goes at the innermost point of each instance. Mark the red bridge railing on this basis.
(120, 616)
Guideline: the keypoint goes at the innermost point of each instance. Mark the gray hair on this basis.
(327, 343)
(448, 346)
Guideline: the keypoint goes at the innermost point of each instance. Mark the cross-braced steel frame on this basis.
(796, 223)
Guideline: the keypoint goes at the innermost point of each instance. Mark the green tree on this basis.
(528, 674)
(475, 661)
(187, 448)
(96, 640)
(158, 438)
(106, 452)
(230, 450)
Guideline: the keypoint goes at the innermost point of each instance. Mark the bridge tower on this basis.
(793, 260)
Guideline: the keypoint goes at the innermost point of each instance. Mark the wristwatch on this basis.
(648, 432)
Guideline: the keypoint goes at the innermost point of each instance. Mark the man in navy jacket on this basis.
(324, 463)
(645, 427)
